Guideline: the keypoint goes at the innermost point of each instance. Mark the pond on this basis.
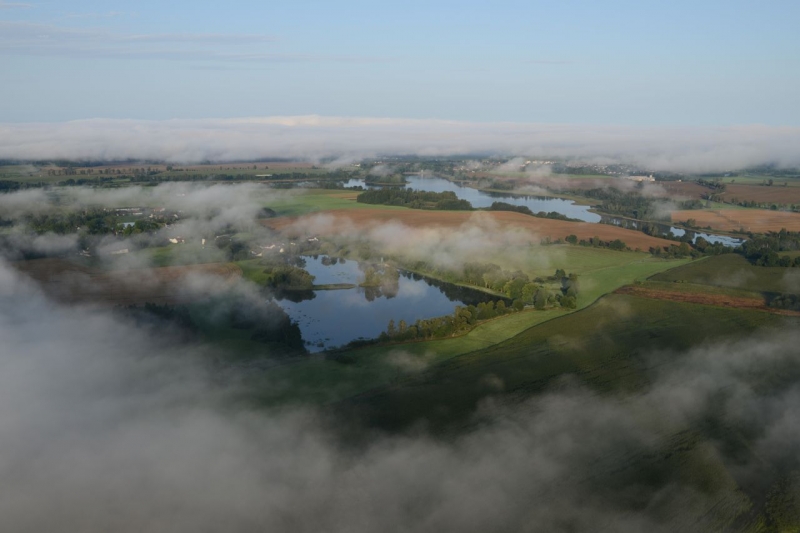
(481, 199)
(332, 318)
(665, 229)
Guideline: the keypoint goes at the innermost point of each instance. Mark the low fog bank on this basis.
(209, 210)
(350, 139)
(197, 199)
(192, 212)
(479, 239)
(107, 428)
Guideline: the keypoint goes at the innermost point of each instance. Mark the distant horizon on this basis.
(347, 139)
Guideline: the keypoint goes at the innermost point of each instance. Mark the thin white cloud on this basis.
(316, 137)
(105, 15)
(24, 38)
(14, 5)
(15, 33)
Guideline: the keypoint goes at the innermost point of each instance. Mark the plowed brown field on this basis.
(538, 227)
(719, 300)
(67, 281)
(757, 220)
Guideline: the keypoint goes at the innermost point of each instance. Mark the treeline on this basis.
(764, 250)
(394, 179)
(167, 318)
(596, 242)
(714, 184)
(447, 200)
(91, 222)
(789, 302)
(674, 251)
(628, 204)
(94, 222)
(503, 185)
(267, 322)
(503, 206)
(463, 319)
(513, 284)
(8, 186)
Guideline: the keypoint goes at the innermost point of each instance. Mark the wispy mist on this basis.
(107, 427)
(347, 139)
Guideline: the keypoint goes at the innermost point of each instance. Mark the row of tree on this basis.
(504, 206)
(463, 319)
(466, 317)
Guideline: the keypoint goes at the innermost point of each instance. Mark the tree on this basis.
(528, 291)
(391, 329)
(617, 245)
(572, 239)
(540, 299)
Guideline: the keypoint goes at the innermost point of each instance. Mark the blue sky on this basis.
(700, 63)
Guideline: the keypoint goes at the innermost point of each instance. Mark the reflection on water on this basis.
(331, 318)
(482, 199)
(666, 229)
(329, 270)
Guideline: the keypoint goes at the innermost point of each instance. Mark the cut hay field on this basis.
(703, 298)
(776, 194)
(755, 220)
(71, 282)
(539, 228)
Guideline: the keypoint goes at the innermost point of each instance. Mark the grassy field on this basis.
(618, 328)
(612, 348)
(601, 270)
(318, 200)
(735, 272)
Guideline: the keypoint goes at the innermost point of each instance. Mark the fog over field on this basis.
(401, 267)
(216, 208)
(108, 427)
(695, 149)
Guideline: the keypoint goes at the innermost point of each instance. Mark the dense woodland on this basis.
(446, 201)
(765, 250)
